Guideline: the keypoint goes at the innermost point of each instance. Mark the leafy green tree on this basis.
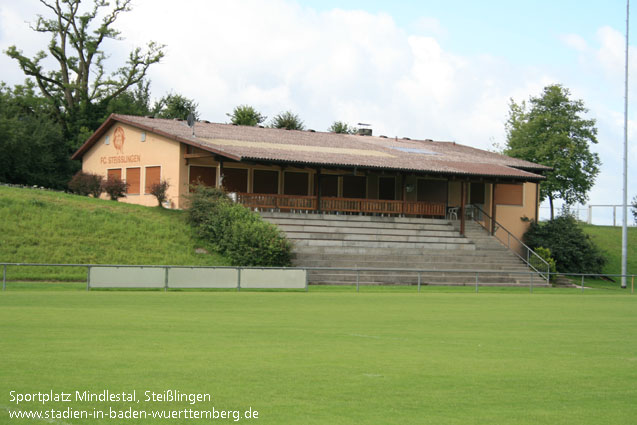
(287, 120)
(175, 106)
(634, 211)
(551, 130)
(246, 115)
(341, 127)
(134, 101)
(32, 148)
(78, 88)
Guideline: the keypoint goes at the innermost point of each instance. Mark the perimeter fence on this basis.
(174, 277)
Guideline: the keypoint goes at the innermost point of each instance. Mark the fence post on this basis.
(165, 278)
(419, 279)
(88, 278)
(582, 284)
(632, 284)
(238, 278)
(307, 278)
(476, 282)
(590, 214)
(358, 275)
(4, 278)
(531, 288)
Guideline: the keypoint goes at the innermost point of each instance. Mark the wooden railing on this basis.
(331, 204)
(282, 202)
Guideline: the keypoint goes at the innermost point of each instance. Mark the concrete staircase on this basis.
(353, 241)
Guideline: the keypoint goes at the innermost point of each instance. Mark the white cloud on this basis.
(430, 26)
(574, 41)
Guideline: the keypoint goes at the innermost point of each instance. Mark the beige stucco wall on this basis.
(511, 216)
(154, 151)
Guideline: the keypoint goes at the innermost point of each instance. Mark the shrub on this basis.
(86, 184)
(158, 190)
(235, 231)
(545, 254)
(573, 250)
(115, 187)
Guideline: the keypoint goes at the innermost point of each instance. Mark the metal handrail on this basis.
(529, 251)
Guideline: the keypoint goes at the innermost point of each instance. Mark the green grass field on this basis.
(325, 357)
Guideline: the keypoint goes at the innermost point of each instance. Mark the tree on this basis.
(552, 131)
(634, 211)
(32, 148)
(79, 88)
(134, 101)
(175, 106)
(341, 127)
(287, 120)
(246, 115)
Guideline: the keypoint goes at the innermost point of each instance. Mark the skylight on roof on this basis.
(414, 150)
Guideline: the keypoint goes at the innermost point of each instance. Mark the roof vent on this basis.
(364, 129)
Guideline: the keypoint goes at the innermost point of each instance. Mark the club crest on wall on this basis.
(118, 140)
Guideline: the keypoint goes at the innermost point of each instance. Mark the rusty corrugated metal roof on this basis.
(331, 149)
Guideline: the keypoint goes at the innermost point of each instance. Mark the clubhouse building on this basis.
(307, 171)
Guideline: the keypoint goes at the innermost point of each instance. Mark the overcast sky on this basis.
(418, 69)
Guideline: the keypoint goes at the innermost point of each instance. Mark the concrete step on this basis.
(375, 237)
(365, 245)
(439, 231)
(411, 252)
(444, 226)
(361, 263)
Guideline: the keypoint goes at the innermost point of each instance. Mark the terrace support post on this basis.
(403, 178)
(493, 185)
(462, 206)
(318, 190)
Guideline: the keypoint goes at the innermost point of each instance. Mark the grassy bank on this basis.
(39, 226)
